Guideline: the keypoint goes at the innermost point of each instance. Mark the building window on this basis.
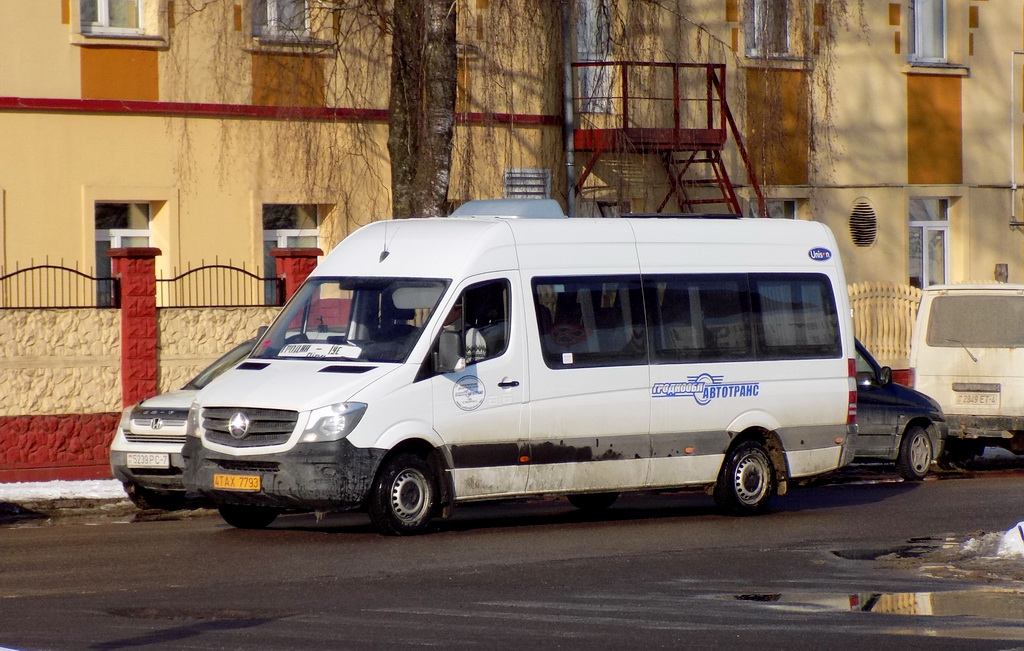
(766, 25)
(928, 20)
(118, 225)
(594, 45)
(776, 208)
(287, 225)
(529, 183)
(929, 242)
(280, 19)
(112, 16)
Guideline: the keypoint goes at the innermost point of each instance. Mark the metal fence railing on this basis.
(219, 285)
(57, 286)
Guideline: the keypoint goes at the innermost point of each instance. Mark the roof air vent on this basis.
(863, 224)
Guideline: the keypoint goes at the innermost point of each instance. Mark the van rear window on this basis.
(983, 321)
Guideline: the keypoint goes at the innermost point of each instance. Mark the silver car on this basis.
(145, 454)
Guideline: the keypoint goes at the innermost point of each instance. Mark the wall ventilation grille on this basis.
(863, 224)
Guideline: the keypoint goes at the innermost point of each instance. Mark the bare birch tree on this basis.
(422, 105)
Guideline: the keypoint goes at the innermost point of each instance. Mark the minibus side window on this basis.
(796, 316)
(482, 315)
(699, 318)
(590, 321)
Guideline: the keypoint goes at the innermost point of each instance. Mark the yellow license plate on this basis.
(236, 482)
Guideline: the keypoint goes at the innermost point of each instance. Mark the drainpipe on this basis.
(569, 126)
(1014, 224)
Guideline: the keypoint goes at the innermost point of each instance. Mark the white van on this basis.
(430, 362)
(967, 353)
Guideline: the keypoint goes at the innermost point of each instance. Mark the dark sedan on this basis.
(896, 423)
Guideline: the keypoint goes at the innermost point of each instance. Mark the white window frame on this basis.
(927, 229)
(527, 183)
(116, 238)
(102, 23)
(929, 21)
(594, 44)
(777, 208)
(756, 28)
(272, 28)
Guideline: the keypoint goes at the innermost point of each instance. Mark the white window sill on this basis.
(121, 39)
(290, 44)
(935, 68)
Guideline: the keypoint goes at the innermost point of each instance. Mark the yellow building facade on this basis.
(214, 131)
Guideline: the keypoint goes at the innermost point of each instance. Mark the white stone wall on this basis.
(59, 361)
(191, 338)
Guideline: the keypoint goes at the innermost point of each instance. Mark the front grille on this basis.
(266, 426)
(155, 437)
(157, 426)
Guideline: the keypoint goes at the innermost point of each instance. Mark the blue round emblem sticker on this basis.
(468, 393)
(820, 254)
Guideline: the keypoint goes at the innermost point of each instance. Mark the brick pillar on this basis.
(136, 267)
(294, 265)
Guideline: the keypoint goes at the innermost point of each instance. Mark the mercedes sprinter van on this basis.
(431, 362)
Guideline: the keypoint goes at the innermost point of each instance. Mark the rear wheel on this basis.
(248, 517)
(404, 497)
(593, 502)
(915, 456)
(959, 451)
(747, 480)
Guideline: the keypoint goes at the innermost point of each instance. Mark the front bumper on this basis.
(310, 477)
(157, 479)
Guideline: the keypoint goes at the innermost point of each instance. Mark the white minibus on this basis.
(431, 362)
(967, 353)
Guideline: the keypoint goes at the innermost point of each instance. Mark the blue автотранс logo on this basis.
(704, 388)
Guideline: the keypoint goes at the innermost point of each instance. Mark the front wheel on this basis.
(146, 499)
(593, 502)
(248, 517)
(915, 456)
(404, 496)
(747, 480)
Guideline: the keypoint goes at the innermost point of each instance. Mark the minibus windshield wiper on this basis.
(966, 350)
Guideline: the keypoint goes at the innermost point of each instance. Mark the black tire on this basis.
(593, 502)
(957, 452)
(915, 455)
(147, 499)
(248, 517)
(404, 496)
(746, 481)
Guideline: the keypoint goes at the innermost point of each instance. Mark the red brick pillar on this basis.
(294, 265)
(136, 267)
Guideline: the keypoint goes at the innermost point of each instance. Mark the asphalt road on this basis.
(655, 571)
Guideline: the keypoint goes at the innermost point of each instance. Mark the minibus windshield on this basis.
(356, 319)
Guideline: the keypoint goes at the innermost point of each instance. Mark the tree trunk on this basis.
(422, 106)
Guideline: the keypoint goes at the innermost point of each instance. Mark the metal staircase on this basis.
(676, 111)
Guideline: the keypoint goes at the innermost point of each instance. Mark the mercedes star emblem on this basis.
(238, 426)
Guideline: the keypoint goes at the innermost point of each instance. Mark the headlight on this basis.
(126, 419)
(333, 422)
(193, 425)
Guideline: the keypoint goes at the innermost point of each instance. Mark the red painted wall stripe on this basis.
(223, 111)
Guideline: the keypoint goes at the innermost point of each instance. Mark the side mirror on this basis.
(885, 376)
(449, 357)
(260, 331)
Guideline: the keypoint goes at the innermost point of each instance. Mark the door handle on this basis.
(508, 384)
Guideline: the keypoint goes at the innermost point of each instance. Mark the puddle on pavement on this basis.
(990, 603)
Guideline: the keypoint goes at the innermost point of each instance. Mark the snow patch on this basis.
(55, 490)
(998, 545)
